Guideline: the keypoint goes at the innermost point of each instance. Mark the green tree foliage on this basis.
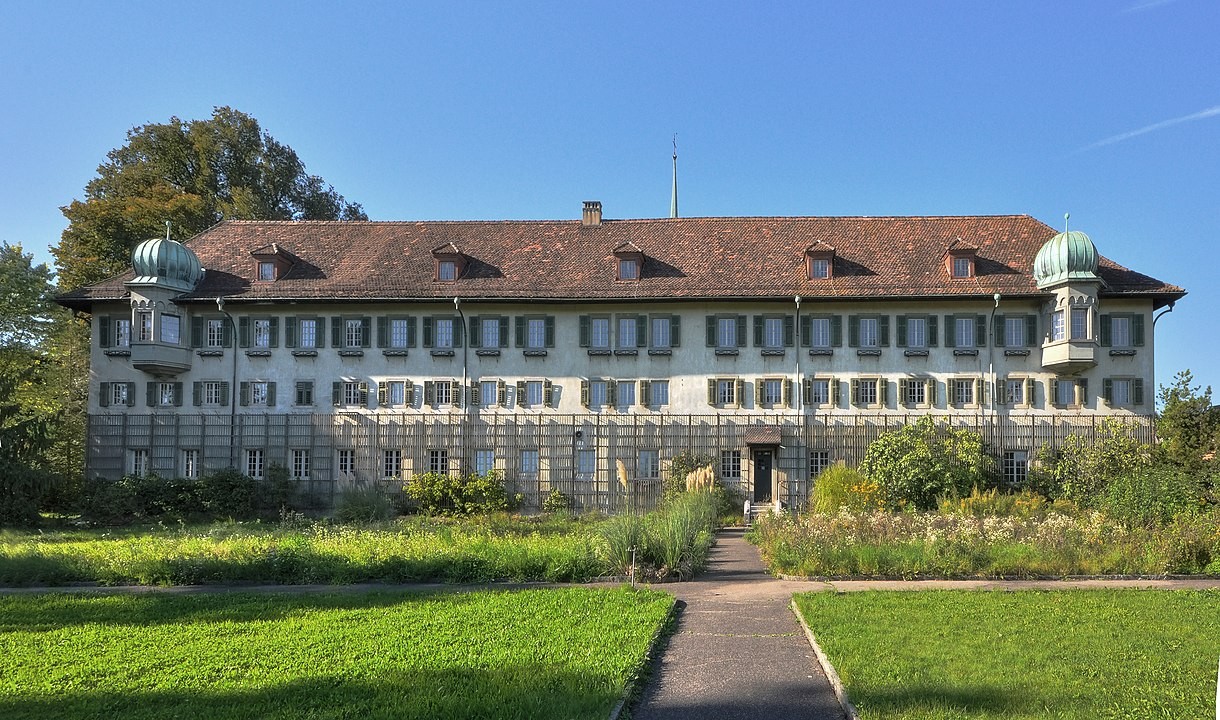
(1188, 426)
(1082, 468)
(194, 174)
(437, 493)
(24, 438)
(25, 298)
(919, 463)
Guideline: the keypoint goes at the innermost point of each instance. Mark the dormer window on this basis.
(959, 260)
(272, 262)
(446, 271)
(450, 262)
(266, 271)
(819, 261)
(628, 269)
(630, 260)
(962, 267)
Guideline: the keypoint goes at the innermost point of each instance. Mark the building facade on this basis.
(555, 350)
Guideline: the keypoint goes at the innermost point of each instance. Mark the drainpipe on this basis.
(457, 305)
(991, 358)
(220, 306)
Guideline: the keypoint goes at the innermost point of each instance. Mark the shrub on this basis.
(437, 493)
(22, 489)
(279, 489)
(364, 504)
(556, 502)
(1081, 468)
(1151, 496)
(682, 465)
(915, 465)
(842, 487)
(226, 493)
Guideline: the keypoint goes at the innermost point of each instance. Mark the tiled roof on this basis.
(735, 257)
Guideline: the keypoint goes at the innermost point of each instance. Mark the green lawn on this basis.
(527, 654)
(1067, 654)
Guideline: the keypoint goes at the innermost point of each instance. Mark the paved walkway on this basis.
(738, 651)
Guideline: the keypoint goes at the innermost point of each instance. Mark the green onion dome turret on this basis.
(1070, 256)
(165, 262)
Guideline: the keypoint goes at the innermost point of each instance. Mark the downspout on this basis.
(220, 306)
(457, 305)
(991, 360)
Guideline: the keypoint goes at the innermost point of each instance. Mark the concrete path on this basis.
(738, 651)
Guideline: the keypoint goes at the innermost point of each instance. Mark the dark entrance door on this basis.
(762, 476)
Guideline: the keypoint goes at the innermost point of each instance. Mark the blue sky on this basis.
(488, 110)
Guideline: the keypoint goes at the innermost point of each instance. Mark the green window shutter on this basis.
(758, 330)
(383, 392)
(1082, 391)
(1031, 386)
(739, 394)
(197, 393)
(853, 335)
(226, 333)
(336, 332)
(931, 393)
(807, 391)
(428, 342)
(197, 326)
(270, 394)
(501, 393)
(645, 393)
(1137, 330)
(476, 324)
(104, 327)
(274, 332)
(383, 331)
(883, 392)
(336, 393)
(1054, 394)
(836, 330)
(584, 393)
(1137, 391)
(758, 392)
(550, 331)
(902, 389)
(548, 393)
(675, 330)
(932, 327)
(883, 331)
(711, 392)
(787, 393)
(641, 331)
(612, 392)
(429, 393)
(997, 392)
(245, 393)
(980, 331)
(1031, 330)
(504, 331)
(411, 331)
(980, 391)
(902, 330)
(364, 394)
(836, 391)
(243, 333)
(290, 331)
(224, 393)
(806, 331)
(150, 394)
(408, 393)
(789, 331)
(1103, 322)
(1107, 390)
(320, 327)
(521, 391)
(950, 332)
(855, 392)
(476, 398)
(177, 394)
(519, 331)
(711, 331)
(103, 397)
(584, 331)
(998, 331)
(741, 330)
(366, 331)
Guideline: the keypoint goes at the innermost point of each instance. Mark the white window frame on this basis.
(963, 392)
(659, 392)
(1080, 323)
(145, 328)
(916, 392)
(443, 330)
(819, 462)
(816, 397)
(137, 461)
(726, 332)
(648, 466)
(598, 393)
(345, 461)
(1058, 326)
(438, 461)
(535, 333)
(599, 332)
(1120, 338)
(351, 392)
(534, 393)
(773, 391)
(868, 392)
(399, 333)
(819, 268)
(726, 392)
(396, 392)
(1123, 399)
(300, 459)
(122, 332)
(624, 391)
(965, 331)
(446, 271)
(489, 331)
(730, 464)
(528, 464)
(820, 333)
(171, 329)
(625, 338)
(118, 393)
(261, 333)
(661, 335)
(255, 462)
(215, 335)
(266, 271)
(1014, 331)
(353, 332)
(1015, 467)
(165, 394)
(961, 267)
(190, 463)
(869, 335)
(484, 461)
(391, 463)
(917, 332)
(1015, 397)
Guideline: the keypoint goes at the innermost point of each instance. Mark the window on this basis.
(1014, 391)
(914, 392)
(145, 319)
(818, 391)
(533, 394)
(190, 464)
(300, 464)
(819, 268)
(917, 332)
(266, 271)
(726, 332)
(597, 393)
(215, 333)
(961, 267)
(658, 391)
(648, 467)
(446, 271)
(964, 333)
(165, 394)
(444, 333)
(865, 392)
(122, 332)
(138, 462)
(1120, 331)
(443, 393)
(391, 463)
(489, 332)
(661, 336)
(1014, 332)
(1080, 323)
(1123, 392)
(586, 464)
(352, 392)
(730, 464)
(772, 392)
(347, 462)
(1016, 467)
(484, 461)
(773, 333)
(353, 333)
(118, 393)
(1120, 391)
(438, 461)
(254, 463)
(400, 333)
(528, 464)
(304, 394)
(868, 332)
(625, 394)
(396, 392)
(599, 333)
(1058, 332)
(259, 393)
(820, 333)
(627, 326)
(628, 269)
(723, 392)
(489, 393)
(1065, 393)
(963, 391)
(819, 462)
(535, 337)
(307, 333)
(171, 329)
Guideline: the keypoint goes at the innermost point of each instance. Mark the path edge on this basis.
(836, 683)
(635, 684)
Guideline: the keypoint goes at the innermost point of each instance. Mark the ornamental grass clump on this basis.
(842, 487)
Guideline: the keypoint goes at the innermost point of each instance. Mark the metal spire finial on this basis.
(167, 229)
(1066, 216)
(673, 198)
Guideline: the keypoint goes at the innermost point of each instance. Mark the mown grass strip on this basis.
(1069, 654)
(528, 654)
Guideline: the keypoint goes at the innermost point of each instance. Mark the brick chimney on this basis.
(592, 214)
